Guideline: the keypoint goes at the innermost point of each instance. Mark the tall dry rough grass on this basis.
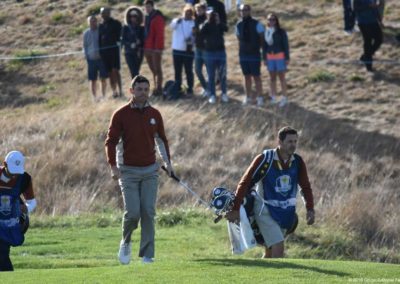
(349, 127)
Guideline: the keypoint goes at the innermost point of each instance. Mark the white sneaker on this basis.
(146, 259)
(246, 101)
(260, 101)
(212, 100)
(224, 98)
(283, 101)
(125, 252)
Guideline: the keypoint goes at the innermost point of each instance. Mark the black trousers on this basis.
(183, 60)
(5, 261)
(373, 37)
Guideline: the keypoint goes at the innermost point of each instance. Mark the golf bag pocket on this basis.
(241, 235)
(10, 232)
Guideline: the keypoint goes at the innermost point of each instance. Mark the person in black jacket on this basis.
(133, 39)
(250, 34)
(109, 37)
(199, 60)
(213, 33)
(218, 7)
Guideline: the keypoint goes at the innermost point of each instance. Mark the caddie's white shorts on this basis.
(269, 228)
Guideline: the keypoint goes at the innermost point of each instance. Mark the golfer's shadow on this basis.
(271, 264)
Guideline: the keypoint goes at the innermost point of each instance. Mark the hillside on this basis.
(349, 118)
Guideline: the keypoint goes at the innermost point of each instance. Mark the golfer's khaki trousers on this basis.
(139, 187)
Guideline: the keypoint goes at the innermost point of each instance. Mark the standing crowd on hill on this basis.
(198, 41)
(197, 44)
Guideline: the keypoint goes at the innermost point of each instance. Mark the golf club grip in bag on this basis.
(172, 175)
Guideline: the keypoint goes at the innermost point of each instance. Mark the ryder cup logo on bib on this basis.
(5, 205)
(152, 121)
(283, 184)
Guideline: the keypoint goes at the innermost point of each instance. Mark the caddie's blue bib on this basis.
(10, 211)
(280, 191)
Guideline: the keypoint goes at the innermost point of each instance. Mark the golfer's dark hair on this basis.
(150, 2)
(139, 79)
(283, 132)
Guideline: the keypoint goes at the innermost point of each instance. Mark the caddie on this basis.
(14, 210)
(276, 174)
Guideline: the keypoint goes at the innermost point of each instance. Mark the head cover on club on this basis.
(222, 200)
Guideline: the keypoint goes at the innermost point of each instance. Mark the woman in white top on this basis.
(182, 50)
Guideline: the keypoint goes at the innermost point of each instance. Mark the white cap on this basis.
(15, 162)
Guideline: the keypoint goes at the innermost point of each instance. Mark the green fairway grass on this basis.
(190, 248)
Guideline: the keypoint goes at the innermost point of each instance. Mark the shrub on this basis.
(320, 76)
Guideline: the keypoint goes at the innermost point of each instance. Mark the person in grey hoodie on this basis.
(95, 64)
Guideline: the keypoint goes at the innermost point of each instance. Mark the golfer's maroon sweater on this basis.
(137, 128)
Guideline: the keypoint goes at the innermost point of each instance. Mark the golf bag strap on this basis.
(263, 168)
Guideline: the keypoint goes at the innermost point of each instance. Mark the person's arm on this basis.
(286, 45)
(113, 136)
(306, 190)
(162, 145)
(174, 23)
(243, 187)
(29, 196)
(85, 44)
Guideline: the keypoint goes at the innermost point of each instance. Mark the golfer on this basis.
(135, 129)
(14, 182)
(275, 202)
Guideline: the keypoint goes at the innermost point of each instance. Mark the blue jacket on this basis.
(366, 11)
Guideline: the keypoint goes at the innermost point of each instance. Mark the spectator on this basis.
(154, 44)
(94, 63)
(199, 60)
(218, 7)
(277, 56)
(250, 34)
(276, 174)
(133, 39)
(182, 49)
(14, 221)
(135, 130)
(349, 17)
(110, 34)
(215, 55)
(369, 22)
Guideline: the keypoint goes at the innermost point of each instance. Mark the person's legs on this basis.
(210, 66)
(5, 261)
(258, 83)
(272, 76)
(148, 54)
(103, 87)
(178, 61)
(130, 184)
(199, 62)
(157, 57)
(148, 197)
(247, 86)
(188, 65)
(282, 79)
(377, 36)
(222, 71)
(366, 58)
(131, 62)
(93, 88)
(277, 250)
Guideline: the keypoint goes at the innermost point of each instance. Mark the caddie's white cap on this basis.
(15, 162)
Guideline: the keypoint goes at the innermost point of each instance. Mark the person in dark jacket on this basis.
(133, 39)
(277, 56)
(369, 22)
(250, 34)
(213, 33)
(218, 7)
(109, 37)
(199, 60)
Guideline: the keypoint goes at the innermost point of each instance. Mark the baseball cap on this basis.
(15, 162)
